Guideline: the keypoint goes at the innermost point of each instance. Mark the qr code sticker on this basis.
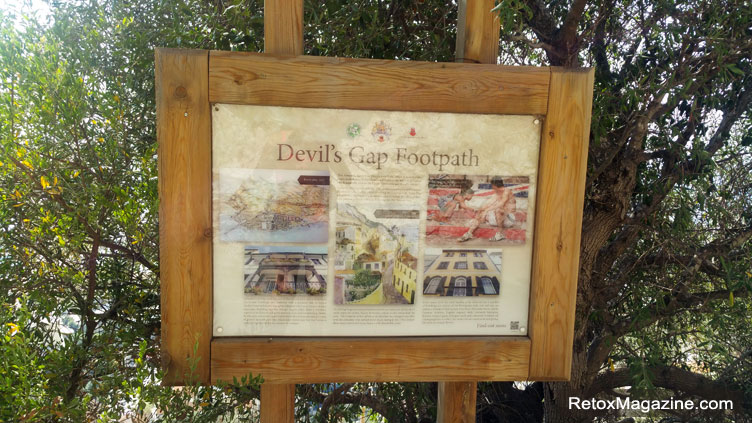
(514, 325)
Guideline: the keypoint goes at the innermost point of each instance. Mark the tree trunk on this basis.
(557, 394)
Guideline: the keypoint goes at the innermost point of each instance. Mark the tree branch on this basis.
(599, 41)
(675, 379)
(87, 226)
(541, 21)
(355, 398)
(672, 304)
(132, 254)
(90, 322)
(687, 170)
(568, 32)
(333, 396)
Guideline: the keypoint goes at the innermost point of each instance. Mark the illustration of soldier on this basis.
(449, 205)
(497, 211)
(455, 203)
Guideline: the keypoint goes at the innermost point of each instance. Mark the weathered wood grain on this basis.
(561, 192)
(478, 32)
(277, 403)
(184, 136)
(362, 84)
(320, 360)
(456, 402)
(283, 27)
(477, 42)
(283, 35)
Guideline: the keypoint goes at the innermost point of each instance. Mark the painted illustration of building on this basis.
(344, 254)
(405, 276)
(349, 240)
(286, 273)
(462, 273)
(368, 253)
(349, 232)
(370, 262)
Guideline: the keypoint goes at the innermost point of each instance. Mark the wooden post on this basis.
(283, 34)
(477, 32)
(457, 402)
(283, 27)
(185, 225)
(477, 41)
(277, 403)
(557, 237)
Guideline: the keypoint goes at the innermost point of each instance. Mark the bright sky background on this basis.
(38, 8)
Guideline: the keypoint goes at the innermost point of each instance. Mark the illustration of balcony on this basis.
(285, 274)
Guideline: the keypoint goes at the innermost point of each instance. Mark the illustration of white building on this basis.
(285, 272)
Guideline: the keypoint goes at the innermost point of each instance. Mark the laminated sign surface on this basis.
(371, 223)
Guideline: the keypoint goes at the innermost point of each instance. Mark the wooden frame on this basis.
(188, 81)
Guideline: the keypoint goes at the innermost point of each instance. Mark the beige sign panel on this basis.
(354, 222)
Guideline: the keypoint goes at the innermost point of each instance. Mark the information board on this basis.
(327, 219)
(338, 222)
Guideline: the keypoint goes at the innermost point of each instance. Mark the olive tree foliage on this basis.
(78, 188)
(663, 303)
(663, 292)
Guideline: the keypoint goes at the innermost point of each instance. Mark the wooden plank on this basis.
(477, 42)
(283, 34)
(561, 193)
(457, 402)
(283, 27)
(477, 32)
(363, 84)
(277, 403)
(184, 136)
(323, 360)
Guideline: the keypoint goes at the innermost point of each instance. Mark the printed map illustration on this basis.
(272, 206)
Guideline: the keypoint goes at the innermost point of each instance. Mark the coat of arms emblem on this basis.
(381, 131)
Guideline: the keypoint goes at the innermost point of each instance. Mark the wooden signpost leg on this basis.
(477, 32)
(283, 34)
(277, 403)
(457, 402)
(283, 27)
(477, 42)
